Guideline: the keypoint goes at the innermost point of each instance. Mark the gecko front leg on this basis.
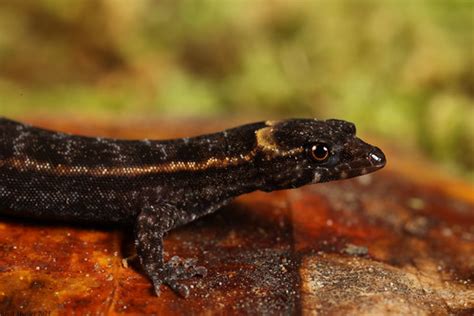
(152, 224)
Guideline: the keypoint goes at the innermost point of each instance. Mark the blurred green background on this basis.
(403, 69)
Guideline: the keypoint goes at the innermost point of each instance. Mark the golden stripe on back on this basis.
(265, 143)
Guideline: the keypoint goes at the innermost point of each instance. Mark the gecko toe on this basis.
(200, 271)
(157, 289)
(181, 289)
(177, 269)
(156, 285)
(189, 263)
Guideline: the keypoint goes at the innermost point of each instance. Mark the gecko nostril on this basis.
(377, 157)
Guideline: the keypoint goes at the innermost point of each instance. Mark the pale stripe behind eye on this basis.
(169, 167)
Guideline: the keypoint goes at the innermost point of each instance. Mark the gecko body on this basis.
(156, 186)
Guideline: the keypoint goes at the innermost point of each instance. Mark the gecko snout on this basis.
(377, 158)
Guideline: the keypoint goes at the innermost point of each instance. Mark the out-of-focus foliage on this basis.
(404, 69)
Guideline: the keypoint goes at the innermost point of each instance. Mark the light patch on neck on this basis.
(265, 139)
(266, 142)
(272, 123)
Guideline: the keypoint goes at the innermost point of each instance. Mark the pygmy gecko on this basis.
(159, 185)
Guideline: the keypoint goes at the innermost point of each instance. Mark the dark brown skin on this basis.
(160, 185)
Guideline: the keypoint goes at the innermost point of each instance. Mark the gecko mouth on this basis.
(374, 161)
(371, 162)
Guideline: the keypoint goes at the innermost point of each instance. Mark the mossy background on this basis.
(403, 69)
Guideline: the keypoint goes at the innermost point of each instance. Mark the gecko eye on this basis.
(320, 152)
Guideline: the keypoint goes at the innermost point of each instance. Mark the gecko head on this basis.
(295, 152)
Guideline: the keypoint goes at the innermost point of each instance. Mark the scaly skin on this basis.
(159, 185)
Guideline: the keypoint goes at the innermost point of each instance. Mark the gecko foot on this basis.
(178, 269)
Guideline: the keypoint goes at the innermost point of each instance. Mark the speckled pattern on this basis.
(160, 185)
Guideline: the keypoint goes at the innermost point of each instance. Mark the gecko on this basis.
(155, 186)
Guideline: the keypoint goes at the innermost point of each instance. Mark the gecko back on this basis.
(40, 177)
(54, 175)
